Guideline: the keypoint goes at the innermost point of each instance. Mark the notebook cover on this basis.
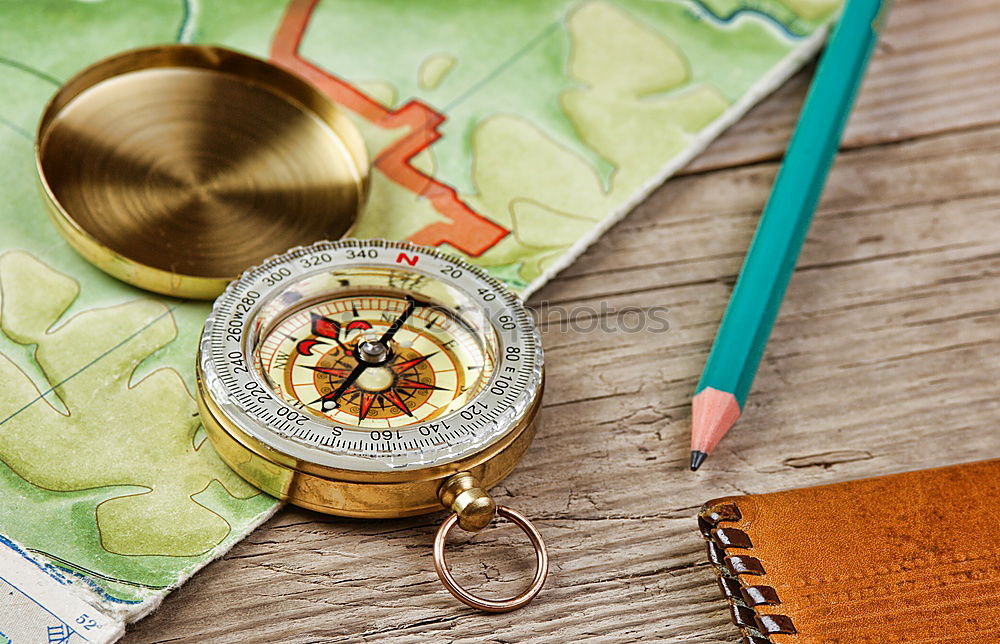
(911, 557)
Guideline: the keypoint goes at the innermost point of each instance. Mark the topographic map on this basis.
(513, 133)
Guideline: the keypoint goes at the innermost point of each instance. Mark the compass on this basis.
(375, 379)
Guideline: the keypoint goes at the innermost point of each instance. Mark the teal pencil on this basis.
(770, 261)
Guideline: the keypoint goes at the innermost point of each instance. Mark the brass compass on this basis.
(375, 379)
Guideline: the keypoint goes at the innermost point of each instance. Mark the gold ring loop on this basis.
(481, 603)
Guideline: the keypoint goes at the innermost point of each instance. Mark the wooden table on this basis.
(885, 358)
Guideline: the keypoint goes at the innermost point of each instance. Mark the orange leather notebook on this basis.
(912, 557)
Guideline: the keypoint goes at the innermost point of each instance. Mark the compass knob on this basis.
(473, 505)
(373, 352)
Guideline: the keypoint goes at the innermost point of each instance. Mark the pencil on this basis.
(770, 261)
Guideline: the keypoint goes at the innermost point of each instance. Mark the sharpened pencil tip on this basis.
(697, 458)
(713, 412)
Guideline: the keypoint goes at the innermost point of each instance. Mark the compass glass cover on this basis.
(372, 356)
(385, 349)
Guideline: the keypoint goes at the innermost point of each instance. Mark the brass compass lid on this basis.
(175, 168)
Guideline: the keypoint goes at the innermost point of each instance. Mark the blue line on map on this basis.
(185, 33)
(45, 393)
(49, 569)
(737, 13)
(24, 67)
(13, 547)
(32, 599)
(531, 44)
(83, 577)
(85, 574)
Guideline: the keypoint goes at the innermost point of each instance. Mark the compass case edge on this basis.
(358, 494)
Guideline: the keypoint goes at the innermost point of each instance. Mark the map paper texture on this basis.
(513, 133)
(38, 604)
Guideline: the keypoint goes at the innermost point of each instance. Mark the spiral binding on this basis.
(743, 599)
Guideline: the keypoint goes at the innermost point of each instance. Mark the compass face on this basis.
(433, 364)
(370, 356)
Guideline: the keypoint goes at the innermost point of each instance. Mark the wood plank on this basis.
(933, 71)
(885, 358)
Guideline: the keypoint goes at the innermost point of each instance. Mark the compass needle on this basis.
(346, 384)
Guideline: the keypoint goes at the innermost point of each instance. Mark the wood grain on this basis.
(885, 358)
(933, 71)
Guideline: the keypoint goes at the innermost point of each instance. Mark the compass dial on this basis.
(368, 356)
(433, 364)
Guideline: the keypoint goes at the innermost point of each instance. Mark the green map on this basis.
(512, 132)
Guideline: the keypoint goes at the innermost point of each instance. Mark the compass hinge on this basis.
(462, 495)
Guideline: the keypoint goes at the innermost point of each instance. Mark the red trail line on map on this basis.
(466, 230)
